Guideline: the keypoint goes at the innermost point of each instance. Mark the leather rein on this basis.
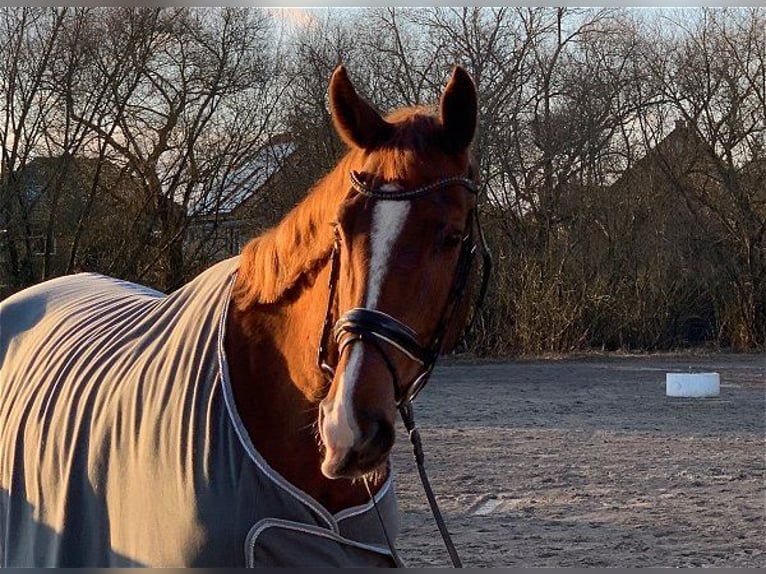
(380, 329)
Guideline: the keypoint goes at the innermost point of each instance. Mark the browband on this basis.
(399, 195)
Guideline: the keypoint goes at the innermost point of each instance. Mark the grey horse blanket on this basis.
(121, 445)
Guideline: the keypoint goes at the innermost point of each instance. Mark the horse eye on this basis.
(452, 240)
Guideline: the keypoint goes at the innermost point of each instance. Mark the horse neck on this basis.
(273, 332)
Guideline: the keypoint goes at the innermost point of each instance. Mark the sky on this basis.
(303, 5)
(305, 13)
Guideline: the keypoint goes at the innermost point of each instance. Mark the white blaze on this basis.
(388, 219)
(340, 418)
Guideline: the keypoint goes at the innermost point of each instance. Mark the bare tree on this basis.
(612, 225)
(195, 95)
(28, 37)
(716, 81)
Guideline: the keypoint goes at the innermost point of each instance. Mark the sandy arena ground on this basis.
(587, 463)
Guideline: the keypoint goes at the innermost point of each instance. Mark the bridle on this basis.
(379, 329)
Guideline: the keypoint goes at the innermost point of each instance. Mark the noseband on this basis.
(378, 328)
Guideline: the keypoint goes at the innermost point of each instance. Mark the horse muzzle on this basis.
(353, 449)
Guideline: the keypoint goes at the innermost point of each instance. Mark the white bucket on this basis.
(692, 384)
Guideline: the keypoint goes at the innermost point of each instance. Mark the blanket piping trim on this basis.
(263, 525)
(242, 433)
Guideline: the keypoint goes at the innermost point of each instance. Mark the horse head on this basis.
(406, 234)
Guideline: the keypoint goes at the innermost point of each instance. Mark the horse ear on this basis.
(458, 110)
(356, 121)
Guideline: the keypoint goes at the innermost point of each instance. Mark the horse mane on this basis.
(276, 261)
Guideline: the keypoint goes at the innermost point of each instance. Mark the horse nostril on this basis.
(379, 438)
(383, 437)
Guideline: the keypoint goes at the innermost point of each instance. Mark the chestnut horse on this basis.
(287, 365)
